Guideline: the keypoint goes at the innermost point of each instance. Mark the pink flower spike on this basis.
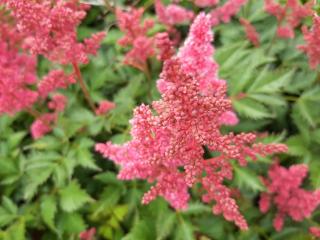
(315, 231)
(43, 125)
(50, 29)
(167, 141)
(54, 80)
(251, 32)
(312, 42)
(18, 72)
(104, 107)
(135, 31)
(164, 45)
(88, 234)
(172, 14)
(206, 3)
(285, 32)
(58, 103)
(226, 11)
(284, 191)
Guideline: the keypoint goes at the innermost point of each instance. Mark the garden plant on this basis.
(159, 119)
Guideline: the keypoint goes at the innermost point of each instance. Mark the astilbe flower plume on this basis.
(88, 234)
(18, 71)
(104, 107)
(206, 3)
(44, 123)
(203, 68)
(164, 45)
(168, 138)
(312, 45)
(172, 14)
(135, 36)
(55, 79)
(251, 32)
(225, 12)
(289, 16)
(49, 28)
(284, 190)
(315, 231)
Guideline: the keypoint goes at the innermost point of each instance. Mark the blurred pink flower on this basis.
(172, 14)
(251, 32)
(49, 28)
(283, 189)
(135, 31)
(205, 3)
(88, 234)
(312, 42)
(104, 107)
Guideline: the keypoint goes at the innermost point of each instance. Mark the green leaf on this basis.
(15, 139)
(142, 230)
(8, 204)
(71, 223)
(251, 109)
(196, 208)
(73, 197)
(165, 225)
(48, 208)
(16, 231)
(86, 159)
(36, 178)
(248, 179)
(184, 231)
(270, 83)
(6, 217)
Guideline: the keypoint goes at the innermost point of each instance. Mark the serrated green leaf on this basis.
(184, 231)
(248, 179)
(71, 223)
(251, 109)
(48, 208)
(72, 197)
(16, 231)
(6, 217)
(196, 208)
(165, 225)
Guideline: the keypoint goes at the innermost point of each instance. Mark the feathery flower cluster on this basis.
(251, 32)
(49, 29)
(172, 14)
(18, 71)
(43, 27)
(44, 123)
(289, 16)
(54, 80)
(206, 3)
(225, 12)
(312, 39)
(135, 36)
(204, 68)
(164, 45)
(88, 234)
(315, 231)
(284, 190)
(104, 107)
(167, 147)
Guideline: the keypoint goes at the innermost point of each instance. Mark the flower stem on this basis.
(109, 6)
(83, 86)
(33, 113)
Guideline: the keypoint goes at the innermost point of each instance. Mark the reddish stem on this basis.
(83, 86)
